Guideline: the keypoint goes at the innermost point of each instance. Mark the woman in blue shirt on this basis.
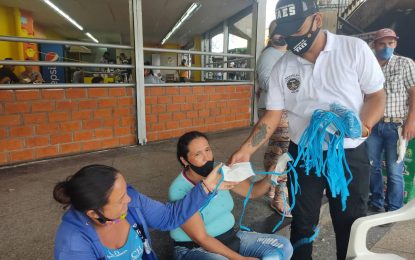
(209, 234)
(109, 219)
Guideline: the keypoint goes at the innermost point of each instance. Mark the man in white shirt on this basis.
(321, 68)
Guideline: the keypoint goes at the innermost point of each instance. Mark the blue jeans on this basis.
(383, 139)
(262, 246)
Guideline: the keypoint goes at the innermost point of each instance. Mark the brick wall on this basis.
(172, 111)
(37, 124)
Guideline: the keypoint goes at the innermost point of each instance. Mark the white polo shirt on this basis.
(344, 71)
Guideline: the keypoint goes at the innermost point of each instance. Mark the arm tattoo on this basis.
(259, 135)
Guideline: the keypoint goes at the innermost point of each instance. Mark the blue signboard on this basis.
(52, 52)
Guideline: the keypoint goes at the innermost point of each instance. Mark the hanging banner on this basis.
(52, 52)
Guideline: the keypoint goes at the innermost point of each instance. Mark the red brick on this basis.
(3, 133)
(185, 123)
(128, 121)
(53, 93)
(220, 89)
(61, 138)
(87, 104)
(179, 99)
(70, 126)
(186, 107)
(103, 133)
(130, 91)
(6, 95)
(81, 115)
(10, 145)
(91, 124)
(102, 113)
(70, 148)
(21, 131)
(152, 137)
(119, 131)
(157, 127)
(14, 108)
(36, 118)
(91, 145)
(191, 99)
(157, 91)
(199, 106)
(97, 92)
(10, 120)
(202, 98)
(210, 89)
(165, 117)
(151, 119)
(204, 113)
(173, 108)
(108, 102)
(3, 158)
(116, 92)
(111, 122)
(198, 90)
(66, 105)
(179, 116)
(47, 129)
(42, 106)
(172, 125)
(27, 94)
(125, 101)
(172, 91)
(23, 155)
(58, 116)
(84, 135)
(230, 89)
(122, 111)
(128, 140)
(186, 90)
(76, 93)
(198, 121)
(37, 141)
(46, 151)
(191, 114)
(109, 143)
(151, 100)
(164, 100)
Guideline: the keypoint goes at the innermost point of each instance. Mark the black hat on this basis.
(291, 14)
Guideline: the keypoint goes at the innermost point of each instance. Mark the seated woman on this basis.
(109, 219)
(209, 234)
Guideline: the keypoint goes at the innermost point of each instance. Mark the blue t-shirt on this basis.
(217, 215)
(132, 250)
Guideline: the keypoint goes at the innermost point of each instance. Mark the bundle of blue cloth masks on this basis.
(327, 129)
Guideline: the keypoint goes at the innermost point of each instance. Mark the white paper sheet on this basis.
(237, 172)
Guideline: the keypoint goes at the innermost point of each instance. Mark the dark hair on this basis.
(88, 189)
(147, 63)
(98, 79)
(184, 61)
(184, 141)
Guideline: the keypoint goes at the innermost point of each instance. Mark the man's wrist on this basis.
(366, 130)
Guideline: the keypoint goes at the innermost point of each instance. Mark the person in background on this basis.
(319, 69)
(209, 233)
(279, 140)
(78, 75)
(106, 58)
(30, 76)
(98, 79)
(109, 219)
(183, 73)
(7, 75)
(149, 77)
(400, 113)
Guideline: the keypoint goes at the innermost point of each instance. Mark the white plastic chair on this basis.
(357, 249)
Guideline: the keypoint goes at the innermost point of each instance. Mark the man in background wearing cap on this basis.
(321, 68)
(400, 113)
(279, 140)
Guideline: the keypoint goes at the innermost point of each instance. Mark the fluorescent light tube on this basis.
(67, 17)
(92, 37)
(189, 12)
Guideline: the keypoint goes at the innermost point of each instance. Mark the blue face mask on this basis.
(385, 53)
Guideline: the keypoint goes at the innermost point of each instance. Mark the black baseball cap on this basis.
(291, 14)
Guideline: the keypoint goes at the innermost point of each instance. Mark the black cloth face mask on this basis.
(301, 44)
(203, 170)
